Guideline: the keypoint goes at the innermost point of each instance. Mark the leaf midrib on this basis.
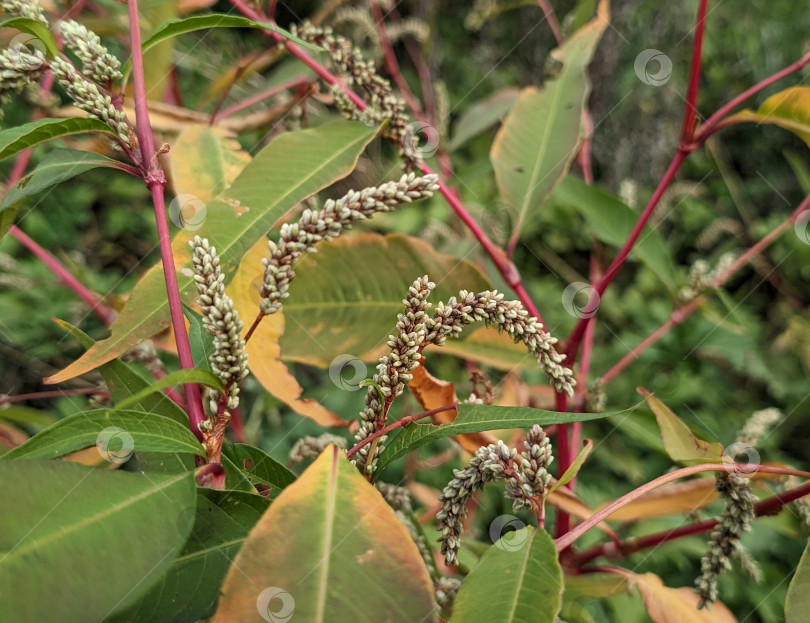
(527, 548)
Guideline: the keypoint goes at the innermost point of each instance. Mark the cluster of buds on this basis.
(418, 329)
(328, 223)
(229, 360)
(509, 316)
(526, 475)
(758, 425)
(487, 464)
(97, 64)
(86, 95)
(533, 476)
(310, 447)
(20, 68)
(725, 538)
(393, 371)
(361, 74)
(23, 8)
(702, 275)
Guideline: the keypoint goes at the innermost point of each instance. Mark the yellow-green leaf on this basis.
(789, 109)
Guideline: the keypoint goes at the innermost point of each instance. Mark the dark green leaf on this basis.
(258, 465)
(36, 29)
(202, 342)
(189, 591)
(82, 543)
(116, 434)
(175, 378)
(20, 138)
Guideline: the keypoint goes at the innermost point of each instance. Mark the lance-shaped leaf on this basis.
(474, 419)
(189, 589)
(81, 543)
(518, 580)
(328, 549)
(117, 434)
(37, 30)
(258, 466)
(680, 442)
(797, 604)
(289, 169)
(539, 138)
(17, 139)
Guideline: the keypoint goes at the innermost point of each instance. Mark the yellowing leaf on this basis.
(263, 348)
(789, 109)
(673, 605)
(682, 497)
(329, 549)
(679, 442)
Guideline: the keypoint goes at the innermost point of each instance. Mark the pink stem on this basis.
(553, 24)
(771, 506)
(102, 311)
(400, 422)
(711, 125)
(55, 393)
(155, 181)
(599, 516)
(255, 99)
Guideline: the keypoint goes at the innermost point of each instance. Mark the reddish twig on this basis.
(255, 99)
(690, 110)
(599, 516)
(408, 419)
(680, 315)
(551, 18)
(155, 181)
(771, 506)
(54, 393)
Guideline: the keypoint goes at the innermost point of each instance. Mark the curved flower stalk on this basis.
(97, 64)
(229, 359)
(360, 73)
(417, 329)
(328, 223)
(526, 479)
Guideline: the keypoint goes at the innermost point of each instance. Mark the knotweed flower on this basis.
(311, 447)
(97, 64)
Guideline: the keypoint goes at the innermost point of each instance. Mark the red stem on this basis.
(400, 422)
(155, 181)
(690, 111)
(771, 506)
(680, 315)
(711, 125)
(568, 538)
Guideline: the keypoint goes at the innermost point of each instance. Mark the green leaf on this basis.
(290, 168)
(797, 603)
(203, 22)
(539, 139)
(202, 342)
(25, 415)
(20, 138)
(235, 478)
(327, 304)
(477, 418)
(482, 115)
(258, 466)
(329, 549)
(800, 169)
(123, 381)
(194, 375)
(789, 109)
(56, 167)
(576, 465)
(679, 442)
(36, 29)
(116, 434)
(518, 580)
(189, 590)
(82, 543)
(611, 221)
